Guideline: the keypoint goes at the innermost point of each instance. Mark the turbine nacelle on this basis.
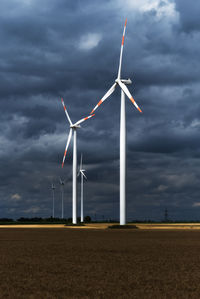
(125, 81)
(62, 183)
(82, 170)
(75, 126)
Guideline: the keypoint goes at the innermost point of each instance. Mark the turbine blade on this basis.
(68, 141)
(83, 119)
(81, 161)
(126, 91)
(121, 52)
(70, 122)
(83, 174)
(108, 93)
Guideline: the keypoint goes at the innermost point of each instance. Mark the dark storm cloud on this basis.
(189, 15)
(65, 48)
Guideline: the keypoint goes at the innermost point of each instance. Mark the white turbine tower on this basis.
(62, 183)
(73, 129)
(53, 189)
(124, 91)
(82, 174)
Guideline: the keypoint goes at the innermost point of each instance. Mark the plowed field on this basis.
(67, 263)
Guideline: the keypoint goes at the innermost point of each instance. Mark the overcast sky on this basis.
(55, 48)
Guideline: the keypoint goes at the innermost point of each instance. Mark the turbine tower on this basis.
(73, 129)
(62, 183)
(81, 172)
(124, 91)
(53, 189)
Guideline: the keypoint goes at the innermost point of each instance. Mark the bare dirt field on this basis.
(75, 263)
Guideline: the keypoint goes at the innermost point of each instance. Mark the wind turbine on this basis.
(62, 183)
(53, 189)
(73, 129)
(81, 172)
(124, 91)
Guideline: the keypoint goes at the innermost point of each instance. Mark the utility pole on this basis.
(166, 219)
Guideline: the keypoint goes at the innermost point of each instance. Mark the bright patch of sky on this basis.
(196, 204)
(26, 2)
(16, 197)
(89, 41)
(162, 8)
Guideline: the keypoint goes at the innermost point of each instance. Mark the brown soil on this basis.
(80, 263)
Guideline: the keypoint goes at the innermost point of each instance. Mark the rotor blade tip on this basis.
(62, 164)
(92, 111)
(140, 110)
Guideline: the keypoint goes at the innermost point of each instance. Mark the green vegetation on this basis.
(34, 220)
(39, 220)
(87, 219)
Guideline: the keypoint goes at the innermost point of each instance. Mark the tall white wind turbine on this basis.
(53, 187)
(83, 176)
(73, 129)
(124, 91)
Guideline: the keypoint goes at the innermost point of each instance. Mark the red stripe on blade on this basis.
(132, 100)
(100, 102)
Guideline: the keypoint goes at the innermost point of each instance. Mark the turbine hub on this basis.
(75, 127)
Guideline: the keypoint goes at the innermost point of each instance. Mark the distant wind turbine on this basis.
(73, 129)
(53, 189)
(62, 183)
(124, 91)
(82, 174)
